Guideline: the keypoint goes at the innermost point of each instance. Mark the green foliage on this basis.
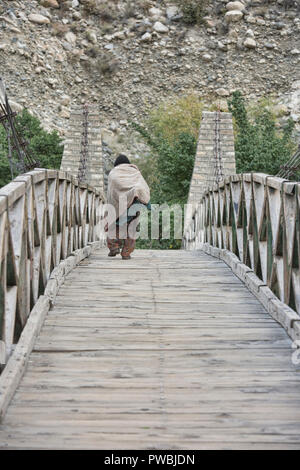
(193, 10)
(172, 118)
(44, 146)
(147, 166)
(259, 146)
(173, 169)
(161, 243)
(173, 165)
(171, 133)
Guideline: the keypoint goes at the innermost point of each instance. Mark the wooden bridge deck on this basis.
(166, 351)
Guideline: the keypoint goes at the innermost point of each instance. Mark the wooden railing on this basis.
(45, 217)
(255, 217)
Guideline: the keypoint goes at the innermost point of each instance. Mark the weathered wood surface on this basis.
(168, 350)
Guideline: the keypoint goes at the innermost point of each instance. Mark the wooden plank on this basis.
(193, 398)
(254, 385)
(219, 360)
(104, 321)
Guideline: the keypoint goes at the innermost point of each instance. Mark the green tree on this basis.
(173, 167)
(46, 147)
(5, 172)
(259, 145)
(174, 117)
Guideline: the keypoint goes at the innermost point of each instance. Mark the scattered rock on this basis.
(206, 57)
(91, 36)
(50, 3)
(222, 92)
(295, 117)
(260, 21)
(250, 43)
(14, 29)
(160, 28)
(64, 113)
(250, 19)
(155, 12)
(233, 16)
(222, 46)
(119, 35)
(71, 38)
(59, 58)
(232, 6)
(296, 85)
(279, 25)
(250, 33)
(52, 82)
(65, 100)
(76, 15)
(39, 19)
(147, 37)
(17, 107)
(67, 62)
(223, 105)
(173, 13)
(209, 22)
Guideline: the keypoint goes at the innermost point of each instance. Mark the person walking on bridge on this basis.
(127, 193)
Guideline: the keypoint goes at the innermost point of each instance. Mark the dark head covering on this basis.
(121, 159)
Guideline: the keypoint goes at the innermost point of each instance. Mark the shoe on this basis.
(126, 257)
(113, 253)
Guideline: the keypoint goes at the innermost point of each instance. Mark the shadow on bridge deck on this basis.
(168, 350)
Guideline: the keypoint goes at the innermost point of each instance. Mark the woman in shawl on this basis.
(127, 192)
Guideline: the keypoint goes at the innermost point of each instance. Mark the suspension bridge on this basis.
(195, 348)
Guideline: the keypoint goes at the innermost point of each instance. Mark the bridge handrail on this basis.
(47, 220)
(256, 217)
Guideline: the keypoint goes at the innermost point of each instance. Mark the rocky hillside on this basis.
(130, 55)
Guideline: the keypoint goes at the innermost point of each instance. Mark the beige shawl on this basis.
(126, 181)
